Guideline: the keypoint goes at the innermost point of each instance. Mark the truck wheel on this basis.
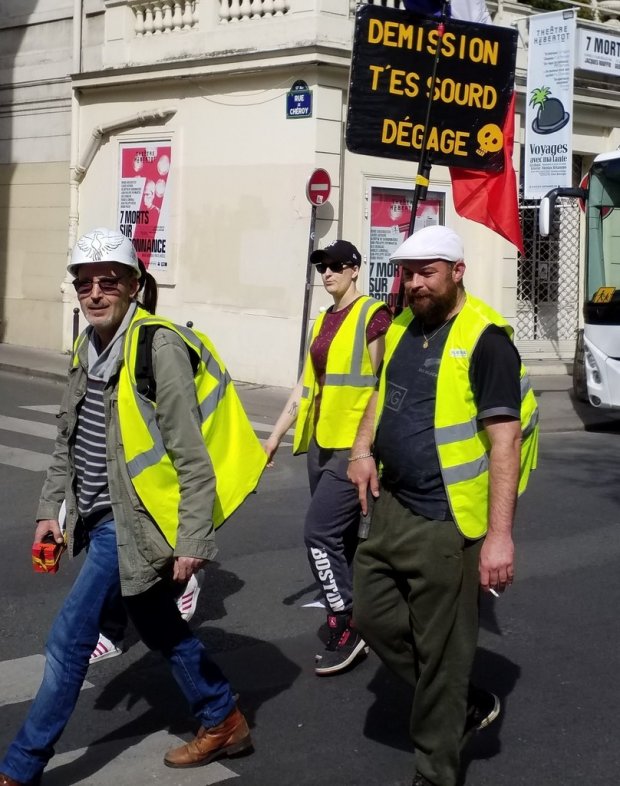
(580, 387)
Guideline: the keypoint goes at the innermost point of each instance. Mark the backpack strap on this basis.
(145, 376)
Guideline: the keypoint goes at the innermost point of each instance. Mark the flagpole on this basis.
(424, 164)
(422, 179)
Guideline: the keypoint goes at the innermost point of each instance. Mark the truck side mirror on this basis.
(547, 206)
(545, 215)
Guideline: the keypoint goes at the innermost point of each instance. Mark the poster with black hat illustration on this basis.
(549, 103)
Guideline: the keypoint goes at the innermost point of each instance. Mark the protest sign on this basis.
(391, 79)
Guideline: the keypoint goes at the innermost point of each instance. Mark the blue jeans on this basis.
(73, 637)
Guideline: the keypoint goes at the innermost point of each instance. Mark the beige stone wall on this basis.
(34, 201)
(239, 218)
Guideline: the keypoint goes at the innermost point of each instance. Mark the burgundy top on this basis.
(377, 326)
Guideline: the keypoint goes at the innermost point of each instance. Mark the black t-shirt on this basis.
(405, 441)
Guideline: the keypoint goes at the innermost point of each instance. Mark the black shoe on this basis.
(420, 780)
(344, 646)
(483, 709)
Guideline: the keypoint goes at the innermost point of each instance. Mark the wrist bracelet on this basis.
(360, 456)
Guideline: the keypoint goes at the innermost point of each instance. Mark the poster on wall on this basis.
(549, 113)
(598, 51)
(390, 213)
(143, 203)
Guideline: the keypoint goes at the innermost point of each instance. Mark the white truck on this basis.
(596, 370)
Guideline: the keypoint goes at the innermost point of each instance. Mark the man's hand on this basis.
(48, 525)
(363, 474)
(496, 562)
(185, 567)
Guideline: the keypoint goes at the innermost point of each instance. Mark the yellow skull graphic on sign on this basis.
(490, 139)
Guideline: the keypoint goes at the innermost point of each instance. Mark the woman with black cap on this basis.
(346, 348)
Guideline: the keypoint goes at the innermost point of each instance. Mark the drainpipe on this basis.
(78, 172)
(68, 301)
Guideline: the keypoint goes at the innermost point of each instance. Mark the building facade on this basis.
(194, 125)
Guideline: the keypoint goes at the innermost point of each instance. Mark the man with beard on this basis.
(453, 428)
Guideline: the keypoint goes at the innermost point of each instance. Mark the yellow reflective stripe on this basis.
(213, 367)
(206, 407)
(531, 425)
(350, 380)
(354, 378)
(209, 404)
(468, 471)
(525, 386)
(359, 344)
(76, 349)
(459, 432)
(305, 392)
(155, 454)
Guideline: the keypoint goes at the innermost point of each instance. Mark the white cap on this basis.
(434, 242)
(104, 245)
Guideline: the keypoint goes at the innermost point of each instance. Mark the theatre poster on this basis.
(143, 202)
(390, 213)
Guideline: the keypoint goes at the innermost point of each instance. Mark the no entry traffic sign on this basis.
(318, 187)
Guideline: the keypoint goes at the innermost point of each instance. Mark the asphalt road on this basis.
(548, 647)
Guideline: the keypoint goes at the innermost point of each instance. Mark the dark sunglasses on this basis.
(335, 267)
(109, 286)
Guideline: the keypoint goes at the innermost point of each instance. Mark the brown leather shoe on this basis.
(6, 781)
(230, 738)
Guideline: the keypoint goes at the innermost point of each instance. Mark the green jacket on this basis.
(143, 552)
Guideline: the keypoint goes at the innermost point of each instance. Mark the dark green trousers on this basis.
(416, 603)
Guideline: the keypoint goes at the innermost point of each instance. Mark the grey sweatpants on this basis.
(332, 522)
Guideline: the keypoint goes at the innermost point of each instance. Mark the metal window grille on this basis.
(548, 278)
(548, 275)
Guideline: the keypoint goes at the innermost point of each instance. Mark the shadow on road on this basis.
(594, 419)
(387, 720)
(561, 410)
(149, 681)
(500, 675)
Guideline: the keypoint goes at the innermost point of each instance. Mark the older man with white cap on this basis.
(453, 427)
(139, 480)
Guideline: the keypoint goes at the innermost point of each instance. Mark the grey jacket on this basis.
(143, 553)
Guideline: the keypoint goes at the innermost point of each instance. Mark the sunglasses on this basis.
(109, 286)
(335, 267)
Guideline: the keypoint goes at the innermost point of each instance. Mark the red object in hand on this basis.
(46, 555)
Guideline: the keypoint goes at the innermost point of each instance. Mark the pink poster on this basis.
(390, 214)
(143, 207)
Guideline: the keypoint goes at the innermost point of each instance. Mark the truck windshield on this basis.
(603, 228)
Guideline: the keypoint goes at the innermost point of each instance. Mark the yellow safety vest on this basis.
(349, 383)
(462, 443)
(236, 454)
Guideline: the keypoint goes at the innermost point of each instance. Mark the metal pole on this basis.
(75, 331)
(304, 319)
(76, 325)
(422, 178)
(424, 164)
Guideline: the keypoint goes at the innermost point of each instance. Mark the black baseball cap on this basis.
(338, 251)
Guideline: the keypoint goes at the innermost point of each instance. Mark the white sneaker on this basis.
(188, 599)
(104, 649)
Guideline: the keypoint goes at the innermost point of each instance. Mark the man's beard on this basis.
(433, 309)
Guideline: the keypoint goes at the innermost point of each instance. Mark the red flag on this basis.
(490, 198)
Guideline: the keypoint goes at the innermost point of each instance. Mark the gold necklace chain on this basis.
(432, 335)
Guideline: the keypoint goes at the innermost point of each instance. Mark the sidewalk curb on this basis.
(40, 373)
(559, 412)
